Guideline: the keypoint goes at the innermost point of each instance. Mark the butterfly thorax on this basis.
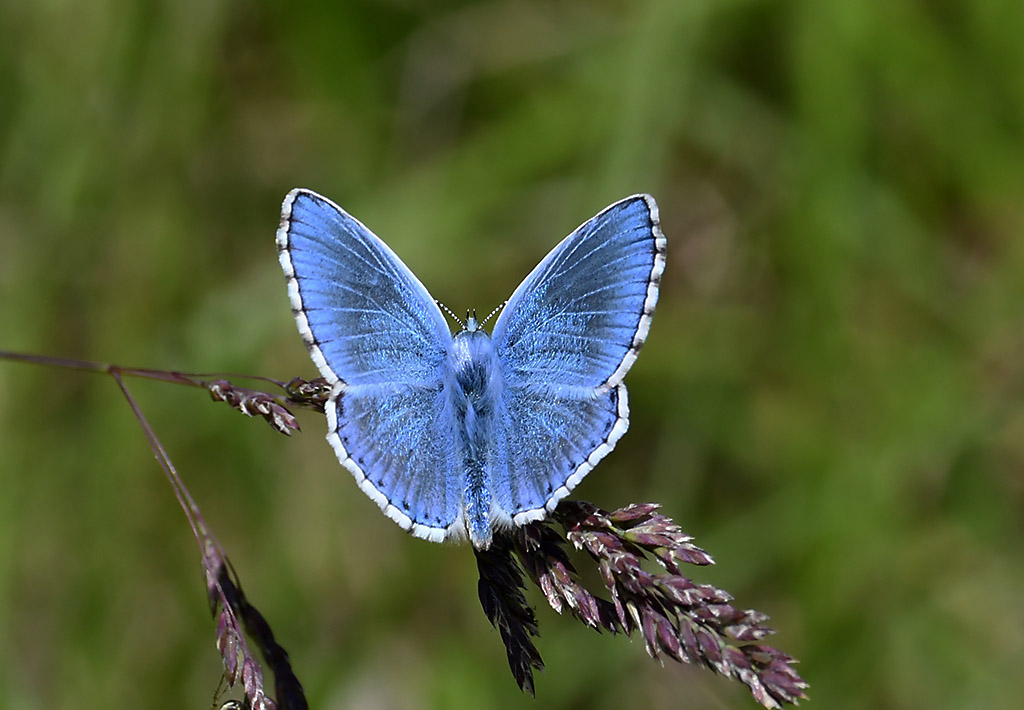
(475, 392)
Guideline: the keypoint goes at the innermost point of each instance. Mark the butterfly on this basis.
(457, 436)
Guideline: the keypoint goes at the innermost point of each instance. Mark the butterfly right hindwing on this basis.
(546, 445)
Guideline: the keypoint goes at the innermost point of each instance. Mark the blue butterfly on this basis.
(461, 435)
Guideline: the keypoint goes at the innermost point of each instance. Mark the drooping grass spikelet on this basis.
(501, 595)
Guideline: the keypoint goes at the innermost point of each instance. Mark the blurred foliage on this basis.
(830, 399)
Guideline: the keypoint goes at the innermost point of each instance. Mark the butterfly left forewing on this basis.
(364, 316)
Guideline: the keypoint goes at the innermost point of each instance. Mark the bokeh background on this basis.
(830, 399)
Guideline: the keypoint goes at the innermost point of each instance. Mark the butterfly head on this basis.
(472, 325)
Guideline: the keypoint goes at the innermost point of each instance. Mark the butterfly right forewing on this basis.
(580, 317)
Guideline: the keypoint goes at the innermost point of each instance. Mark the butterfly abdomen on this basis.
(475, 392)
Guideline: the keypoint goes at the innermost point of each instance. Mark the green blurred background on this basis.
(830, 399)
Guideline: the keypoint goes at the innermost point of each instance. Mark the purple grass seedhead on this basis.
(252, 402)
(677, 619)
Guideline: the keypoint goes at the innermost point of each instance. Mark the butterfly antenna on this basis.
(448, 310)
(491, 314)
